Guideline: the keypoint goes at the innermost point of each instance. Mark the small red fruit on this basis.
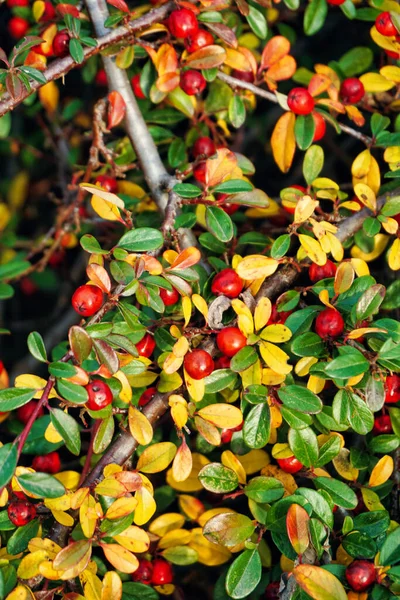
(300, 101)
(230, 340)
(336, 2)
(393, 54)
(199, 172)
(192, 82)
(223, 362)
(24, 412)
(169, 297)
(137, 90)
(200, 39)
(229, 207)
(198, 364)
(351, 90)
(12, 3)
(182, 23)
(316, 272)
(203, 146)
(28, 286)
(320, 126)
(21, 512)
(392, 389)
(382, 425)
(87, 300)
(99, 393)
(48, 463)
(17, 27)
(278, 317)
(227, 434)
(272, 591)
(146, 346)
(101, 78)
(162, 572)
(107, 183)
(227, 283)
(385, 25)
(247, 76)
(329, 324)
(61, 43)
(48, 14)
(147, 396)
(360, 575)
(144, 572)
(290, 464)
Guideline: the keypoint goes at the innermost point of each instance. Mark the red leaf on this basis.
(67, 9)
(120, 4)
(116, 109)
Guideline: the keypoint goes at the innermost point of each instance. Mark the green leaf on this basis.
(8, 462)
(304, 130)
(300, 398)
(233, 186)
(371, 226)
(243, 359)
(370, 302)
(91, 245)
(374, 523)
(36, 346)
(280, 246)
(76, 50)
(340, 492)
(104, 435)
(41, 485)
(61, 369)
(392, 206)
(378, 123)
(295, 418)
(347, 365)
(308, 344)
(264, 489)
(177, 153)
(72, 392)
(359, 545)
(356, 61)
(187, 190)
(5, 126)
(313, 163)
(360, 416)
(390, 550)
(218, 479)
(314, 16)
(320, 505)
(142, 239)
(257, 426)
(244, 574)
(257, 22)
(304, 444)
(80, 342)
(14, 268)
(138, 591)
(329, 450)
(237, 111)
(348, 9)
(12, 398)
(20, 539)
(180, 555)
(219, 223)
(68, 428)
(6, 291)
(228, 529)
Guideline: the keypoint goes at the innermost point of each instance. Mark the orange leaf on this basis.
(319, 583)
(274, 51)
(167, 59)
(120, 4)
(237, 60)
(99, 276)
(382, 471)
(297, 520)
(183, 463)
(220, 166)
(283, 69)
(120, 558)
(116, 109)
(283, 141)
(318, 84)
(189, 257)
(206, 58)
(168, 82)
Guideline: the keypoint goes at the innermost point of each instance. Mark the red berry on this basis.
(199, 172)
(192, 82)
(393, 54)
(162, 572)
(329, 324)
(99, 393)
(101, 78)
(107, 183)
(392, 389)
(198, 364)
(203, 146)
(226, 436)
(385, 25)
(57, 258)
(351, 90)
(87, 300)
(137, 90)
(320, 126)
(247, 76)
(144, 572)
(227, 283)
(230, 340)
(316, 272)
(300, 101)
(61, 43)
(146, 346)
(17, 27)
(382, 424)
(336, 2)
(21, 512)
(49, 463)
(48, 14)
(24, 412)
(12, 3)
(182, 23)
(360, 575)
(28, 286)
(278, 317)
(200, 39)
(229, 207)
(290, 464)
(272, 591)
(223, 362)
(147, 396)
(169, 297)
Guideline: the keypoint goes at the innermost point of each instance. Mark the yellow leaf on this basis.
(99, 192)
(319, 583)
(112, 586)
(277, 334)
(357, 333)
(21, 593)
(390, 225)
(121, 508)
(208, 431)
(134, 539)
(336, 247)
(156, 458)
(73, 559)
(182, 465)
(380, 242)
(87, 516)
(139, 426)
(304, 365)
(313, 249)
(255, 266)
(375, 83)
(126, 391)
(50, 547)
(172, 363)
(304, 209)
(209, 554)
(178, 537)
(51, 434)
(49, 95)
(221, 166)
(105, 210)
(224, 416)
(315, 384)
(275, 358)
(343, 466)
(288, 481)
(29, 565)
(394, 255)
(186, 309)
(192, 483)
(365, 195)
(179, 410)
(120, 558)
(46, 570)
(237, 60)
(254, 461)
(344, 278)
(201, 305)
(324, 183)
(231, 461)
(146, 506)
(283, 141)
(190, 506)
(270, 377)
(165, 523)
(262, 313)
(195, 387)
(382, 471)
(371, 499)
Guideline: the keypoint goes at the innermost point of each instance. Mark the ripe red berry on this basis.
(200, 39)
(329, 324)
(99, 394)
(227, 434)
(199, 172)
(316, 272)
(336, 2)
(48, 14)
(230, 340)
(227, 283)
(203, 146)
(144, 572)
(278, 317)
(229, 207)
(28, 286)
(146, 346)
(247, 76)
(162, 572)
(169, 297)
(182, 23)
(382, 424)
(272, 591)
(300, 101)
(137, 90)
(385, 25)
(360, 575)
(320, 126)
(290, 464)
(192, 82)
(107, 183)
(223, 362)
(392, 389)
(21, 512)
(24, 412)
(101, 78)
(48, 463)
(17, 27)
(12, 3)
(351, 90)
(87, 300)
(61, 43)
(147, 396)
(393, 54)
(198, 364)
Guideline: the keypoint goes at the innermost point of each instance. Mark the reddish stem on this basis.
(86, 468)
(43, 400)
